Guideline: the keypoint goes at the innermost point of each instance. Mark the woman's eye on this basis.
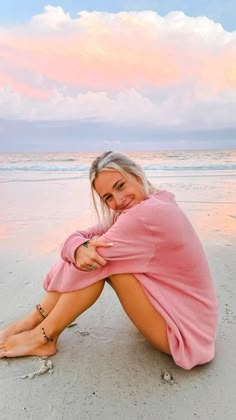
(121, 185)
(108, 198)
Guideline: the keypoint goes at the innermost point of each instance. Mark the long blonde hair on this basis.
(126, 166)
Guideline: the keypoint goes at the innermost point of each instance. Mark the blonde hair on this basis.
(120, 163)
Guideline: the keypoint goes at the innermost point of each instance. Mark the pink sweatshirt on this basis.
(155, 241)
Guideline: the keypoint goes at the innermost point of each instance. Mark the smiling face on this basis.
(119, 192)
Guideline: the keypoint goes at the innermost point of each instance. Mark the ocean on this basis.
(30, 167)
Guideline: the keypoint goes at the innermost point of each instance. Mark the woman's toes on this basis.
(28, 343)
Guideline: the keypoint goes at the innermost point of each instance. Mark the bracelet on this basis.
(86, 244)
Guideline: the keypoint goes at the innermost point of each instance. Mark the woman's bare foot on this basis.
(26, 324)
(27, 343)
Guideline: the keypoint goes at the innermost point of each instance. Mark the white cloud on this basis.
(53, 18)
(129, 107)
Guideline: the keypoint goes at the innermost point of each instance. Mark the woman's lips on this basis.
(127, 206)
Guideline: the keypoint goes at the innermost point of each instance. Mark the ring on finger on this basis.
(91, 268)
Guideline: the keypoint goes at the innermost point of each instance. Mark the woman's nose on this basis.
(119, 198)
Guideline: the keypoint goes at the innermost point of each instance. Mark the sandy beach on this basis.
(104, 368)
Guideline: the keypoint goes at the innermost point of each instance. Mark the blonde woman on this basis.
(146, 249)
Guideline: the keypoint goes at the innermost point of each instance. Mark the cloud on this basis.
(132, 68)
(53, 18)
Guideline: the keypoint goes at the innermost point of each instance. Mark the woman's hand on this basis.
(86, 256)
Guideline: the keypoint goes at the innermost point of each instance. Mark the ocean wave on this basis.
(62, 160)
(39, 168)
(190, 168)
(150, 167)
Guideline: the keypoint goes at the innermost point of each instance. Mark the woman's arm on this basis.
(133, 243)
(132, 250)
(76, 239)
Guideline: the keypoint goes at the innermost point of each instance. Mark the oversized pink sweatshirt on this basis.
(155, 241)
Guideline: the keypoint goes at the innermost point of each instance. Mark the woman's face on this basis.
(118, 192)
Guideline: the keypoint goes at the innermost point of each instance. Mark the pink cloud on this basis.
(133, 52)
(23, 88)
(102, 65)
(91, 63)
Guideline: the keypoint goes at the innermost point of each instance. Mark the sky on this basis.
(134, 75)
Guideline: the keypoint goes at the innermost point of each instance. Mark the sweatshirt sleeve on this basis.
(133, 249)
(76, 239)
(133, 243)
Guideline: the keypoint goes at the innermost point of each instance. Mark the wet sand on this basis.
(104, 368)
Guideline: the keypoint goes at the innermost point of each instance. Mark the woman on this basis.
(148, 252)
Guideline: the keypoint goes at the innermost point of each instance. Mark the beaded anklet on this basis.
(49, 339)
(41, 311)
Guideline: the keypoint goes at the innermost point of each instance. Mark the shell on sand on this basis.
(47, 366)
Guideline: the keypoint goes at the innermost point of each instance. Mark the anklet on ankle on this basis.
(49, 339)
(41, 311)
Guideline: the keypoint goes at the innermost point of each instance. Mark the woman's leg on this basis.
(33, 318)
(68, 307)
(139, 309)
